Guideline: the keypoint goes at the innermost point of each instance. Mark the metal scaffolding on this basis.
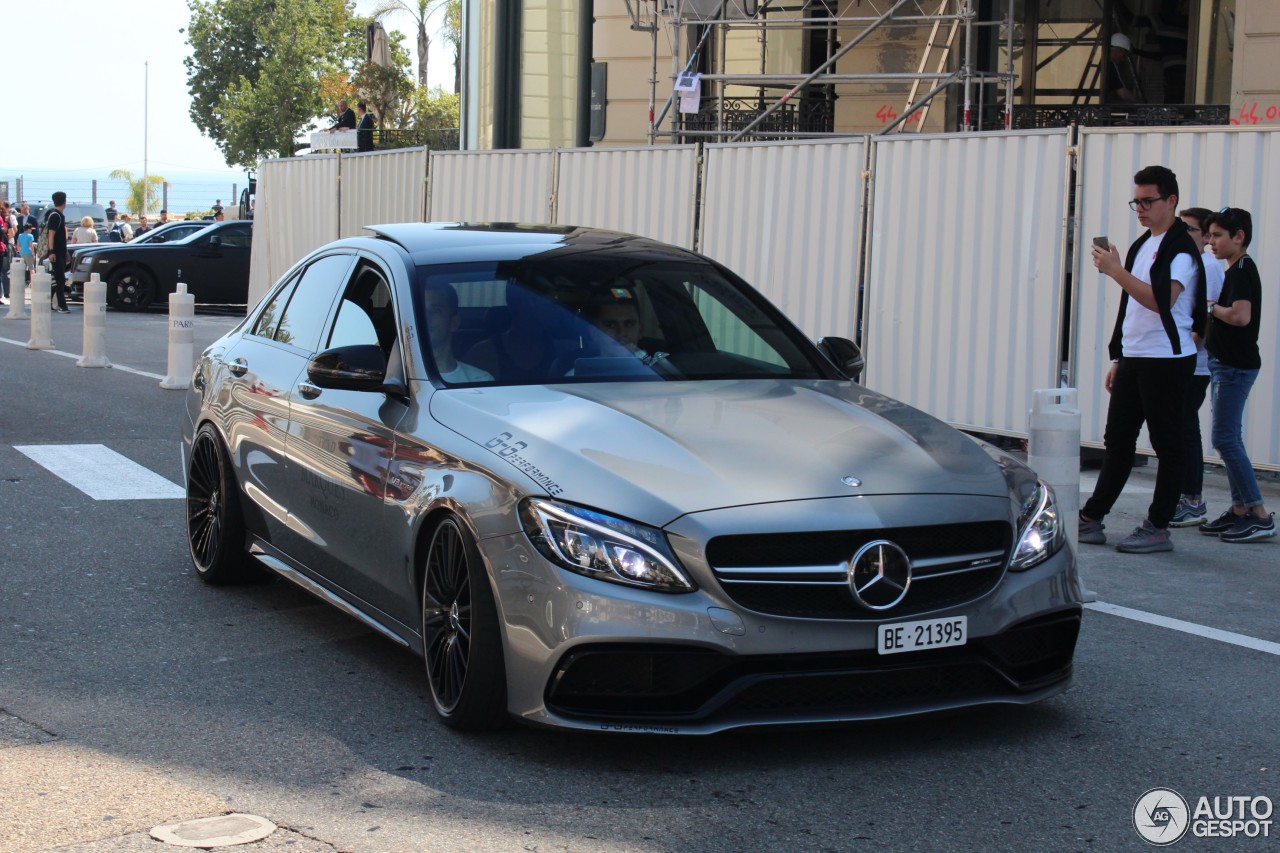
(764, 105)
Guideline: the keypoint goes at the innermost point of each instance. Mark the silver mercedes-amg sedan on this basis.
(599, 482)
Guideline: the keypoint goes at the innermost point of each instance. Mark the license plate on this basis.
(926, 634)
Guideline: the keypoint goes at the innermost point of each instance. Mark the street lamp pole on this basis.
(146, 91)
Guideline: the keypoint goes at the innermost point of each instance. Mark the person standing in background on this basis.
(56, 224)
(364, 130)
(1191, 508)
(346, 119)
(111, 211)
(1152, 359)
(1234, 363)
(85, 233)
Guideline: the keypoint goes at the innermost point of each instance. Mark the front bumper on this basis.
(587, 654)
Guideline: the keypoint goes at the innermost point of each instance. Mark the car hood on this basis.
(655, 451)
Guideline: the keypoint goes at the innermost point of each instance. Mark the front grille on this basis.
(804, 575)
(678, 683)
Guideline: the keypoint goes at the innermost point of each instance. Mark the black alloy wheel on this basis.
(215, 526)
(462, 649)
(131, 289)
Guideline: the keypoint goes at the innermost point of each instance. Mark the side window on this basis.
(303, 321)
(236, 238)
(366, 314)
(269, 320)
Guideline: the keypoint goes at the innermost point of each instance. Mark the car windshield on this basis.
(603, 318)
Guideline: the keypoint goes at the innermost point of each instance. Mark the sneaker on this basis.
(1145, 539)
(1189, 514)
(1249, 528)
(1221, 524)
(1091, 532)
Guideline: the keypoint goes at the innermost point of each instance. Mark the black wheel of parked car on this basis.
(131, 289)
(215, 525)
(460, 633)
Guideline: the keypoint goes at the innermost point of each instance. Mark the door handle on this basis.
(239, 367)
(308, 391)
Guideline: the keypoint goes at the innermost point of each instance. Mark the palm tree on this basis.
(140, 188)
(421, 10)
(452, 33)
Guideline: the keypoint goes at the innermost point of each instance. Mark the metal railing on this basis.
(1028, 117)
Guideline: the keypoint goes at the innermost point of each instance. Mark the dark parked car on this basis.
(213, 261)
(599, 482)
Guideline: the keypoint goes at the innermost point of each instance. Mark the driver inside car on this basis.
(440, 303)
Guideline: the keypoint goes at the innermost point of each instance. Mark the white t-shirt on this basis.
(466, 373)
(1213, 274)
(1143, 334)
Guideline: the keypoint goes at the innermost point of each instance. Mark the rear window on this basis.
(76, 212)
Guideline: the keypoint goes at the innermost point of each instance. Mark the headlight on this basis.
(1040, 531)
(601, 546)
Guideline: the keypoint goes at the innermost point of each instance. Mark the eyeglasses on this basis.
(1145, 203)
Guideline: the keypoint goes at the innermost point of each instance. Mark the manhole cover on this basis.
(222, 831)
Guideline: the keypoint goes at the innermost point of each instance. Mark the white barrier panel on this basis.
(646, 191)
(1216, 167)
(490, 186)
(95, 324)
(41, 311)
(297, 211)
(182, 339)
(787, 218)
(964, 286)
(387, 186)
(17, 291)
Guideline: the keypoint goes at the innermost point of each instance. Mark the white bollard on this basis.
(41, 312)
(182, 338)
(1053, 452)
(17, 291)
(95, 324)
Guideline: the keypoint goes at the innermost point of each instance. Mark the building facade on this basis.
(568, 73)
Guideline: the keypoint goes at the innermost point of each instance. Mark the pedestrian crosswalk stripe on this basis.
(101, 473)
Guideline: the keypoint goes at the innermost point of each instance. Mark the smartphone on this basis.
(1102, 243)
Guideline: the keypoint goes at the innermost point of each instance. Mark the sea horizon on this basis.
(190, 190)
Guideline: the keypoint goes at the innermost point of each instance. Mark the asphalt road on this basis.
(133, 695)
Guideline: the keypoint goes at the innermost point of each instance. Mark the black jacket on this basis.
(1176, 240)
(346, 120)
(364, 133)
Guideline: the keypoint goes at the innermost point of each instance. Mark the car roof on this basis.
(428, 242)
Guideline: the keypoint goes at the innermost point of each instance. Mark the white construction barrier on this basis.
(41, 312)
(95, 324)
(182, 338)
(17, 291)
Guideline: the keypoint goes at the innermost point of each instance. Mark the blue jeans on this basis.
(1230, 391)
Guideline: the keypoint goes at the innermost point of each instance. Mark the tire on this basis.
(215, 524)
(462, 648)
(131, 289)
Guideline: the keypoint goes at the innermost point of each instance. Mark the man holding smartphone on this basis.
(1152, 359)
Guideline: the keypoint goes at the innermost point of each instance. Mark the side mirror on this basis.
(215, 242)
(360, 367)
(160, 238)
(845, 355)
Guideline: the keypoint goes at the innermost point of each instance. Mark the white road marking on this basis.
(101, 473)
(78, 356)
(1187, 627)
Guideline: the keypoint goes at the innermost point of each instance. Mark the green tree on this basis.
(452, 34)
(138, 188)
(255, 68)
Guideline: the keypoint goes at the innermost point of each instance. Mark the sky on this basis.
(102, 48)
